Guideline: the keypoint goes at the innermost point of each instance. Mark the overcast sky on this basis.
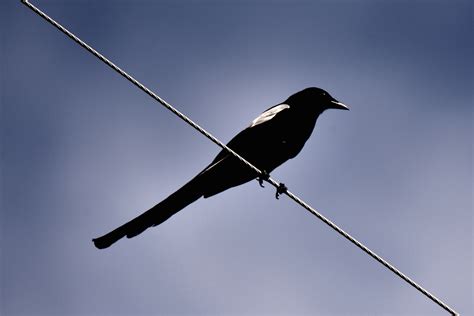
(84, 151)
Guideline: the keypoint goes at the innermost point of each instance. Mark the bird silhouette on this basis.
(275, 136)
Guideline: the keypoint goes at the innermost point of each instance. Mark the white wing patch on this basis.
(269, 114)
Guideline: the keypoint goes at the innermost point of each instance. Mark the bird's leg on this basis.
(281, 189)
(264, 176)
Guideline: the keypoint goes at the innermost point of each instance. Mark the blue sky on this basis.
(83, 151)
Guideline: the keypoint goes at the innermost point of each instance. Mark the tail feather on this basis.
(159, 213)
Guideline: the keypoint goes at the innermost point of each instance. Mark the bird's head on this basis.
(316, 98)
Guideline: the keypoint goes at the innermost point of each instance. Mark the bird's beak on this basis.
(339, 105)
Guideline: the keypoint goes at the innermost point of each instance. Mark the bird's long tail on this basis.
(187, 194)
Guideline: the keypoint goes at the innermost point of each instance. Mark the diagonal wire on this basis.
(236, 155)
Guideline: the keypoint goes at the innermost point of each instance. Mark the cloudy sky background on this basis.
(83, 151)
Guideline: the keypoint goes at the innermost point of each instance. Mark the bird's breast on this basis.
(281, 143)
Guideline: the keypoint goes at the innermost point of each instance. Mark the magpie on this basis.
(274, 137)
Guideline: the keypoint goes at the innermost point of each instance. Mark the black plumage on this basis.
(277, 135)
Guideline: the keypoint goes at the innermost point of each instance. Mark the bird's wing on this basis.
(245, 137)
(269, 114)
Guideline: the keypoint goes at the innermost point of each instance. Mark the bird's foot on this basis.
(263, 177)
(281, 189)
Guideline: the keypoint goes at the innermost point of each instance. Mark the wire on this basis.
(281, 189)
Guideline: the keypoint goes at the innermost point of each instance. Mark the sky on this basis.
(83, 151)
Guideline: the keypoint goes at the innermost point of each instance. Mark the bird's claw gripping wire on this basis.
(281, 189)
(264, 176)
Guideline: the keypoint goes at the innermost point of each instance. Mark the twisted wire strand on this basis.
(243, 160)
